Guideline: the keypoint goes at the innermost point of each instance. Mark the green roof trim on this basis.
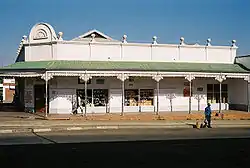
(125, 65)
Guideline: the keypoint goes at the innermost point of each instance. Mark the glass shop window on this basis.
(100, 97)
(146, 97)
(131, 97)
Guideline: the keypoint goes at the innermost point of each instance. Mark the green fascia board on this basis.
(125, 65)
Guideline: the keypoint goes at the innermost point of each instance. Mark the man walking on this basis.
(208, 113)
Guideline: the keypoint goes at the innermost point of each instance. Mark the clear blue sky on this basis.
(196, 20)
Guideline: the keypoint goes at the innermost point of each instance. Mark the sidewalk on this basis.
(69, 125)
(11, 122)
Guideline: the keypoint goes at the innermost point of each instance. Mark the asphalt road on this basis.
(133, 148)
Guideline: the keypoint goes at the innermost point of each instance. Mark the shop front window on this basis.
(100, 97)
(146, 97)
(131, 97)
(81, 94)
(213, 93)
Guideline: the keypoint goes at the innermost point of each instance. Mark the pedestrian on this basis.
(208, 113)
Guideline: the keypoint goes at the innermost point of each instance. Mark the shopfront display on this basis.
(100, 97)
(81, 93)
(146, 97)
(131, 97)
(95, 97)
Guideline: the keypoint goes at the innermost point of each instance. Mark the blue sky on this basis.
(196, 20)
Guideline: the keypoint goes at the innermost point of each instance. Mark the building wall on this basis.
(63, 94)
(43, 44)
(238, 94)
(129, 52)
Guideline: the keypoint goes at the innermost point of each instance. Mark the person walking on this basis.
(208, 113)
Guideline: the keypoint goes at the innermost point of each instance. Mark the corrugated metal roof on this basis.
(125, 65)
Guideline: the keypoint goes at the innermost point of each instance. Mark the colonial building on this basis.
(97, 74)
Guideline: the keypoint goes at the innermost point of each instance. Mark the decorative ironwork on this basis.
(47, 77)
(220, 78)
(157, 78)
(190, 77)
(199, 97)
(85, 77)
(122, 77)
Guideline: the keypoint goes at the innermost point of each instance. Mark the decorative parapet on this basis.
(124, 38)
(42, 32)
(154, 40)
(234, 43)
(24, 39)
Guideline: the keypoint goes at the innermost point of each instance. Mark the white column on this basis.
(220, 78)
(157, 78)
(247, 79)
(47, 76)
(190, 77)
(122, 77)
(85, 77)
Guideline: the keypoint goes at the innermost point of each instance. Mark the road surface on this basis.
(128, 148)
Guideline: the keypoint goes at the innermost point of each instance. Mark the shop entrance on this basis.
(39, 97)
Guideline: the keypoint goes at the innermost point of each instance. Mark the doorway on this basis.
(39, 97)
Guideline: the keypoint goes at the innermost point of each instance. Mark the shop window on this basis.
(213, 93)
(131, 97)
(186, 89)
(100, 97)
(146, 97)
(100, 81)
(81, 94)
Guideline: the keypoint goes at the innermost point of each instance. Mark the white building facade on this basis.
(97, 74)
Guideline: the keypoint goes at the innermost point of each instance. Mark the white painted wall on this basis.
(40, 52)
(129, 52)
(63, 94)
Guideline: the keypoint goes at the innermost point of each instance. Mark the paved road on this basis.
(179, 147)
(122, 135)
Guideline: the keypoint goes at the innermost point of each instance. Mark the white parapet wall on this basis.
(68, 50)
(43, 44)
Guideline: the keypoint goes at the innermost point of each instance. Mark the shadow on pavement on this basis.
(174, 153)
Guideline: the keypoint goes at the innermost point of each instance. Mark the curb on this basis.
(105, 127)
(99, 127)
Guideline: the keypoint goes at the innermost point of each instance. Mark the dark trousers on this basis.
(208, 120)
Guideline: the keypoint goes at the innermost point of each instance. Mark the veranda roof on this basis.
(124, 65)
